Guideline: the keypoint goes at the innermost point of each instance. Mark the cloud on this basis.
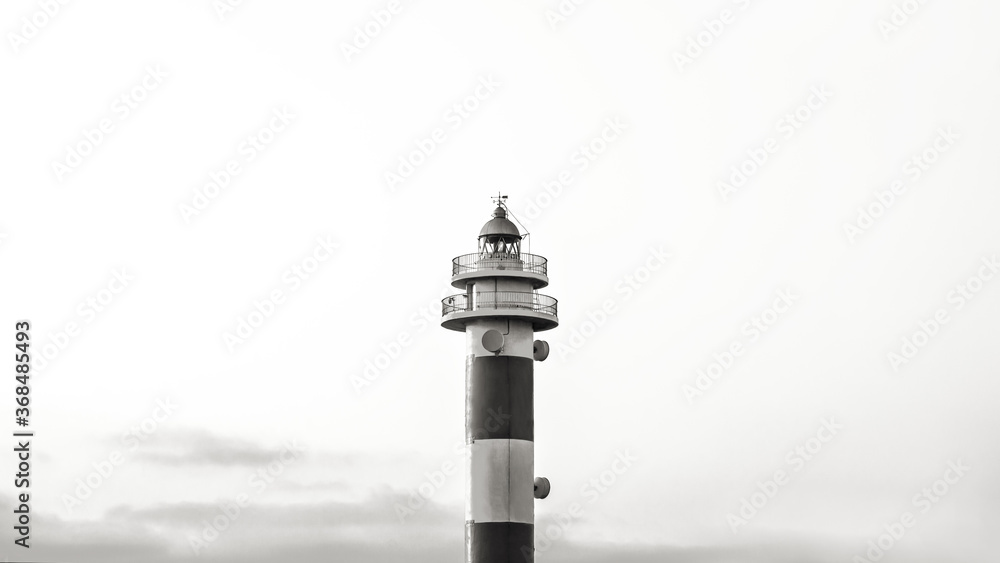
(196, 447)
(366, 531)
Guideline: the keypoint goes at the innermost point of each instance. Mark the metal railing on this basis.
(522, 262)
(526, 300)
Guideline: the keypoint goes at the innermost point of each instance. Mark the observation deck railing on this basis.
(524, 300)
(522, 262)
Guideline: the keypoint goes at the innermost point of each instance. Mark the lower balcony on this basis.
(457, 310)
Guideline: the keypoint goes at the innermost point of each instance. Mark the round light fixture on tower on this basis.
(540, 350)
(493, 341)
(542, 487)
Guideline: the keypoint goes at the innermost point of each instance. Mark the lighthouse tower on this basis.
(500, 310)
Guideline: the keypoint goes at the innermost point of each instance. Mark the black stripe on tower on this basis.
(500, 542)
(499, 398)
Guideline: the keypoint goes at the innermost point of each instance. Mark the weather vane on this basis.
(499, 199)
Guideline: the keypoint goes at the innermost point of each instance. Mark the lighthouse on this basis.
(500, 310)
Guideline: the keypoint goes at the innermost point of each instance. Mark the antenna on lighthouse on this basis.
(501, 200)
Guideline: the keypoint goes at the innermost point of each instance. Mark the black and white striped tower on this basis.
(499, 312)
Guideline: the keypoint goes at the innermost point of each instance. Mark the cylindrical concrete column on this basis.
(499, 425)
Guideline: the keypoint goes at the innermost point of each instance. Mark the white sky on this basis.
(654, 187)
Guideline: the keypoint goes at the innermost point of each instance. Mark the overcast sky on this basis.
(771, 228)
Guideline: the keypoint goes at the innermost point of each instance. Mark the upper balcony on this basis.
(500, 264)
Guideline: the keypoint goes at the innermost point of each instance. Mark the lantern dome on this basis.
(500, 227)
